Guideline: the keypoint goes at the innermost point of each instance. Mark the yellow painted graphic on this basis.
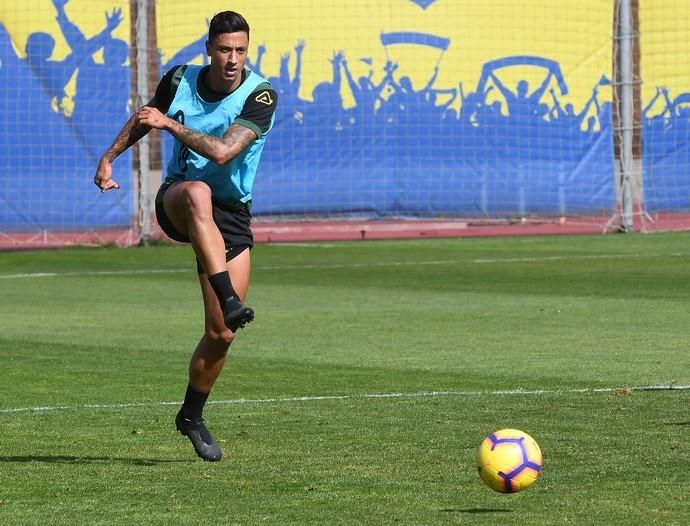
(576, 34)
(665, 45)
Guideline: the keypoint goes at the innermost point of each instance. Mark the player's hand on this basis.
(152, 117)
(103, 178)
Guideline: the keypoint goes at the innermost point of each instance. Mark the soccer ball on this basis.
(509, 461)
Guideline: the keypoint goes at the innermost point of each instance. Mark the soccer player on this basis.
(219, 116)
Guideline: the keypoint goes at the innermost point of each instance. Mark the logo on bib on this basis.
(264, 98)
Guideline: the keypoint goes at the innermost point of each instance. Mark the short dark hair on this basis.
(227, 22)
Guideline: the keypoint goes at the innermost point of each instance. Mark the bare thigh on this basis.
(181, 196)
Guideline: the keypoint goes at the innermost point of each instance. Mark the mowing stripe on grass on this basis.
(345, 265)
(94, 273)
(365, 396)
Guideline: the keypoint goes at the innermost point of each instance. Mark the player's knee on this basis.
(197, 202)
(197, 192)
(219, 341)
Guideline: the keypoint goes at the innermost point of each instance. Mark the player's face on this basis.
(227, 53)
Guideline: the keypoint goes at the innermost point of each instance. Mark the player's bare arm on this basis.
(130, 134)
(220, 150)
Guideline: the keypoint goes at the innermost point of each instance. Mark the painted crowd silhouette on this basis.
(396, 150)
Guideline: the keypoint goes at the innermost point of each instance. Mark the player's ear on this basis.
(208, 48)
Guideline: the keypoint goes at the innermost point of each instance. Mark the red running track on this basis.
(350, 230)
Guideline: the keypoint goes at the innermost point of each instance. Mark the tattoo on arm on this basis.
(130, 133)
(218, 149)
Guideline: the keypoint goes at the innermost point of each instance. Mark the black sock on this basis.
(222, 287)
(194, 402)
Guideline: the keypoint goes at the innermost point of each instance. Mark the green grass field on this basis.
(362, 390)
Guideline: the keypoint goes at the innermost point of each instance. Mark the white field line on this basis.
(344, 265)
(365, 396)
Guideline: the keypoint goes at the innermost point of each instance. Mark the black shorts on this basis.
(233, 221)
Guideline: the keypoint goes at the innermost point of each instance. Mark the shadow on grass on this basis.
(476, 511)
(65, 459)
(677, 423)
